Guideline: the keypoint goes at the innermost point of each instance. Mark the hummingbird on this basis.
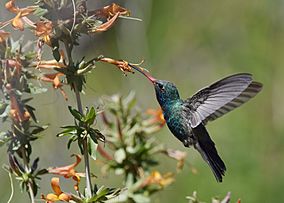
(186, 119)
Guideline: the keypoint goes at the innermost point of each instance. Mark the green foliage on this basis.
(15, 82)
(83, 129)
(226, 199)
(103, 194)
(130, 137)
(27, 178)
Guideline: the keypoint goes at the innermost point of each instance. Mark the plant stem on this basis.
(31, 193)
(27, 169)
(69, 48)
(85, 147)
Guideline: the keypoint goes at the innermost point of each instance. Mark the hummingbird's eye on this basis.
(161, 86)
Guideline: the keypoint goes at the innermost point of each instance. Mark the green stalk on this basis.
(85, 147)
(27, 169)
(69, 48)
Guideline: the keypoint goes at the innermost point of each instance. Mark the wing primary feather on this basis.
(206, 148)
(221, 97)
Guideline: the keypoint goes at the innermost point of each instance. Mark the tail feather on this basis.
(206, 148)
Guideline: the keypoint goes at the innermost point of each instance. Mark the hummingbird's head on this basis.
(165, 91)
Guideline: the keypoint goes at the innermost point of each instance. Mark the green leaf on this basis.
(40, 12)
(130, 102)
(41, 172)
(139, 198)
(97, 135)
(70, 141)
(27, 100)
(93, 137)
(38, 129)
(31, 110)
(113, 193)
(28, 149)
(71, 130)
(119, 155)
(4, 138)
(6, 112)
(36, 90)
(92, 148)
(77, 115)
(56, 54)
(3, 106)
(100, 195)
(80, 145)
(68, 126)
(35, 165)
(91, 116)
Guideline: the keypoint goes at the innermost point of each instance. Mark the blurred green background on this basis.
(191, 43)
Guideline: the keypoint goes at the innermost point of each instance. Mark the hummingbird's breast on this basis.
(177, 121)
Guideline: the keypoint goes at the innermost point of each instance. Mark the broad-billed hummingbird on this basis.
(187, 118)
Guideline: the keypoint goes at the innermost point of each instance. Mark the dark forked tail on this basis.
(206, 148)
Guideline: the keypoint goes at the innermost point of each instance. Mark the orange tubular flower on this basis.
(111, 13)
(177, 155)
(121, 64)
(111, 10)
(69, 171)
(43, 30)
(50, 64)
(17, 21)
(17, 112)
(156, 178)
(107, 25)
(3, 36)
(58, 195)
(158, 116)
(54, 78)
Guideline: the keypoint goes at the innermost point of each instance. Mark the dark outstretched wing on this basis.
(221, 97)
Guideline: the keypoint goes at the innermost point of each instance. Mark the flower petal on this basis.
(17, 22)
(64, 197)
(111, 10)
(107, 25)
(51, 197)
(3, 35)
(10, 6)
(55, 186)
(66, 171)
(44, 30)
(121, 64)
(158, 116)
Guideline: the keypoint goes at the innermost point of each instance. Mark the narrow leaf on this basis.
(91, 116)
(92, 149)
(77, 115)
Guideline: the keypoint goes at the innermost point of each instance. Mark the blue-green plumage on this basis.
(172, 106)
(186, 119)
